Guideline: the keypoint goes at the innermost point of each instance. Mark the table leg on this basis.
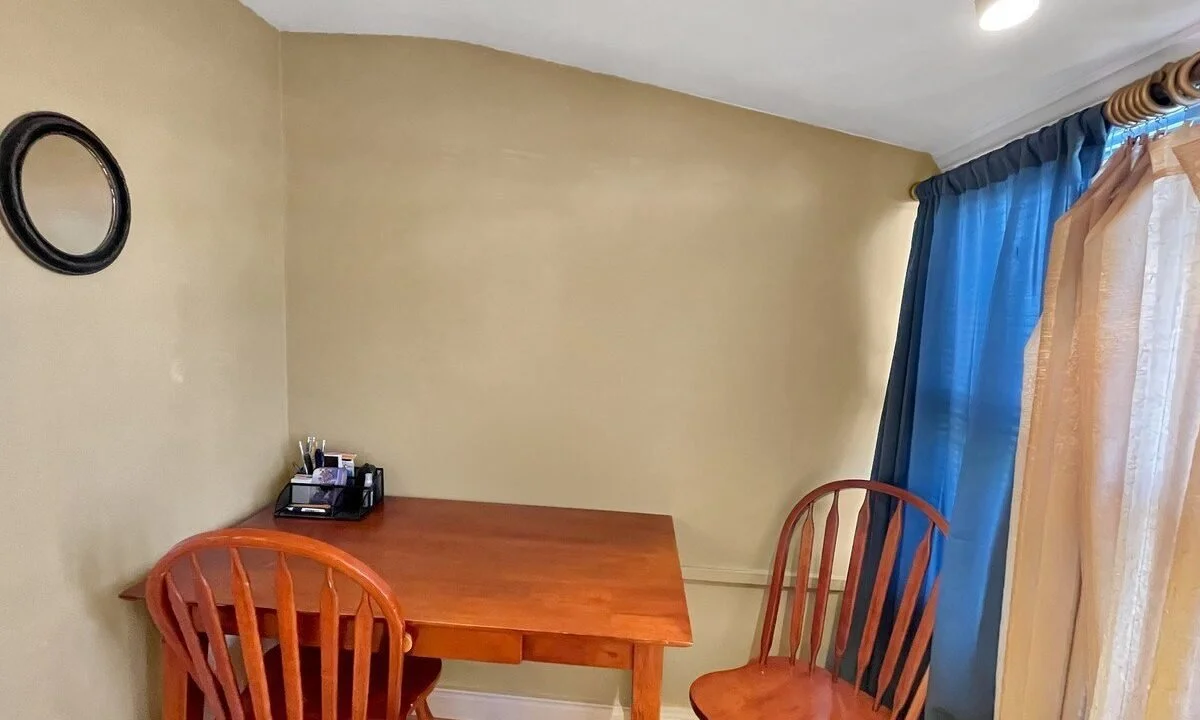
(647, 682)
(181, 699)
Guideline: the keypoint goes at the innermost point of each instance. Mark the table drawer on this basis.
(589, 652)
(494, 646)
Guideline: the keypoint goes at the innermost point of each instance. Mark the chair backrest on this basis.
(182, 594)
(918, 640)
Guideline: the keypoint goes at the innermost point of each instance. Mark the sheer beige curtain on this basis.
(1102, 608)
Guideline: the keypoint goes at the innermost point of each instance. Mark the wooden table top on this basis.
(587, 573)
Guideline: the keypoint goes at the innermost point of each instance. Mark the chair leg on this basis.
(422, 709)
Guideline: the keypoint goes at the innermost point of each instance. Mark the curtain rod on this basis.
(1174, 85)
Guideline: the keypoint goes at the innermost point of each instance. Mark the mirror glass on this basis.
(67, 194)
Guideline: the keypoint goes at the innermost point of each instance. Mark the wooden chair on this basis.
(189, 593)
(797, 688)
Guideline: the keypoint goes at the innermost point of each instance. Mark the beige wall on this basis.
(510, 280)
(118, 391)
(560, 288)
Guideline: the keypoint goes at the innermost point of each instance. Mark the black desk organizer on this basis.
(353, 501)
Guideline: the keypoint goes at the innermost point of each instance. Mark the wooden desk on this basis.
(507, 583)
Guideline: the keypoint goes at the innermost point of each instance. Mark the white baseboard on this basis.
(467, 705)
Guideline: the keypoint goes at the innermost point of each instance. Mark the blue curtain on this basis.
(949, 428)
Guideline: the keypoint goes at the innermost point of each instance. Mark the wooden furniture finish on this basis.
(793, 685)
(508, 583)
(276, 682)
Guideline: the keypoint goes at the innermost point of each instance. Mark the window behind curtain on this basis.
(1170, 121)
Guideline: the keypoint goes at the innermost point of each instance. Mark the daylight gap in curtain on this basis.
(948, 433)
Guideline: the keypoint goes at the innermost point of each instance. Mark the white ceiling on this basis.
(915, 73)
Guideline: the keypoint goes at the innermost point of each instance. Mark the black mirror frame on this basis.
(15, 142)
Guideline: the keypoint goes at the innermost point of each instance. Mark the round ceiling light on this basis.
(1002, 14)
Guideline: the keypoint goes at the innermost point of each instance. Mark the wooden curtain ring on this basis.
(1187, 78)
(1125, 108)
(1134, 106)
(1120, 108)
(1143, 101)
(1112, 108)
(1137, 101)
(1171, 84)
(1155, 96)
(1133, 113)
(1108, 110)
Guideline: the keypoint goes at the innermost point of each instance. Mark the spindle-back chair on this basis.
(797, 687)
(294, 680)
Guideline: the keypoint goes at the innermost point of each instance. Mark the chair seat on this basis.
(420, 675)
(780, 690)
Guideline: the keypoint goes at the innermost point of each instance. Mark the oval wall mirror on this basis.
(63, 197)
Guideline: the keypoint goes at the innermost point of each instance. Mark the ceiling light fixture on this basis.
(1002, 14)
